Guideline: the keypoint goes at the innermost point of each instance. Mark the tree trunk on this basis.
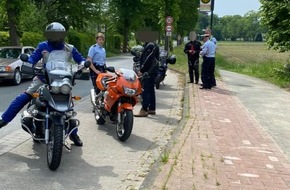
(125, 34)
(13, 33)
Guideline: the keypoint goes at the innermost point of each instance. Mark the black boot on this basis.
(2, 123)
(76, 139)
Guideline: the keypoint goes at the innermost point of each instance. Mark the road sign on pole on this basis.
(168, 28)
(169, 20)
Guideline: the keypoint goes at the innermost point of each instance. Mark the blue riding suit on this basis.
(20, 101)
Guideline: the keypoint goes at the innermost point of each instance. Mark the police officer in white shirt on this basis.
(208, 64)
(97, 56)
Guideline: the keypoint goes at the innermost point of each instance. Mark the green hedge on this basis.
(113, 42)
(31, 39)
(82, 41)
(4, 38)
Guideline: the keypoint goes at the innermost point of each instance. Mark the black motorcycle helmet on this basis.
(171, 59)
(149, 47)
(55, 33)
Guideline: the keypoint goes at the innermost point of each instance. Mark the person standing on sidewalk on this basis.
(213, 39)
(208, 64)
(149, 63)
(97, 56)
(192, 49)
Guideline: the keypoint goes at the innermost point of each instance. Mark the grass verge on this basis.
(249, 58)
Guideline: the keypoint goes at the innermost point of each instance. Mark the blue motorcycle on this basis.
(164, 60)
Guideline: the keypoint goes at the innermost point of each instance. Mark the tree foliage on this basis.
(275, 16)
(124, 17)
(13, 10)
(188, 18)
(73, 13)
(127, 14)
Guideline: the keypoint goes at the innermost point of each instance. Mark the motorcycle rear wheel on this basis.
(54, 146)
(124, 128)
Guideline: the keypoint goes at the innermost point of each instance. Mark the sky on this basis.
(235, 7)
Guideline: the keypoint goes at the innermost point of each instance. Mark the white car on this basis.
(10, 63)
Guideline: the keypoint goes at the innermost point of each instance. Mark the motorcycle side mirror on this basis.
(171, 59)
(133, 52)
(135, 59)
(110, 69)
(24, 57)
(87, 64)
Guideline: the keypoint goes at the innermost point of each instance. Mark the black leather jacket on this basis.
(192, 45)
(149, 60)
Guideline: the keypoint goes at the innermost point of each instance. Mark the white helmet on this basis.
(55, 33)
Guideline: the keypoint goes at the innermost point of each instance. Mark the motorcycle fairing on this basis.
(59, 102)
(125, 106)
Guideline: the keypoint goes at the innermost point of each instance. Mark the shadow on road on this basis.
(142, 144)
(31, 170)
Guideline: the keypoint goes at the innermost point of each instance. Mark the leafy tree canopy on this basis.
(275, 17)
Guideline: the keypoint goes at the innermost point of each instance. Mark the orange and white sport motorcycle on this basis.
(119, 94)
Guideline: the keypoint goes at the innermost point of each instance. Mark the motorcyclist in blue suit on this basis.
(55, 34)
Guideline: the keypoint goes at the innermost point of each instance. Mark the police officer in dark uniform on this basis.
(192, 49)
(149, 62)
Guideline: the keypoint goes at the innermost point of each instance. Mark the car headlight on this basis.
(5, 68)
(2, 68)
(129, 91)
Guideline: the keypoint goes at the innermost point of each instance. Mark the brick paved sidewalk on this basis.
(222, 147)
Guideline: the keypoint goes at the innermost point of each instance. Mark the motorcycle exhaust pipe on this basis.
(93, 97)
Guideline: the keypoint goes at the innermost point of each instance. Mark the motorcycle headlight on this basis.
(65, 88)
(129, 91)
(62, 86)
(55, 89)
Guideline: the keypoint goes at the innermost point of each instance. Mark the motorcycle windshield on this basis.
(163, 54)
(58, 60)
(129, 75)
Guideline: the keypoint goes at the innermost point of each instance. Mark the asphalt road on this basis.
(8, 92)
(103, 162)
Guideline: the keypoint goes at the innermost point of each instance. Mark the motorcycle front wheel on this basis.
(124, 128)
(158, 81)
(54, 146)
(99, 119)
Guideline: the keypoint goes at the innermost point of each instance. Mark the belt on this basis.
(100, 67)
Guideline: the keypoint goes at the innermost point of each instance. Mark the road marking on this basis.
(273, 159)
(248, 175)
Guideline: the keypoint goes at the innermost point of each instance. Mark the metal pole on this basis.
(211, 15)
(166, 37)
(211, 19)
(166, 48)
